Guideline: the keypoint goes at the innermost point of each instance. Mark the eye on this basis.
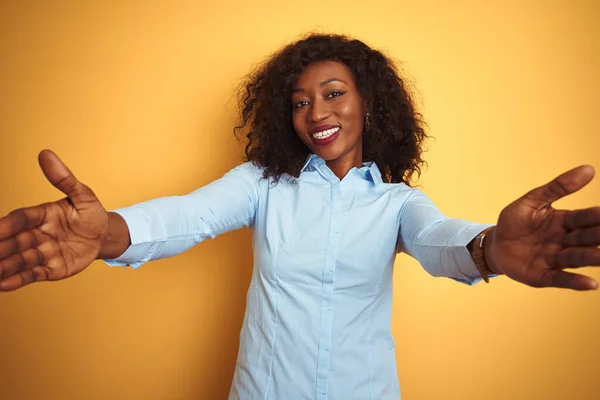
(300, 104)
(335, 93)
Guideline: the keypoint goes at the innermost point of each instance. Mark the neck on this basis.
(341, 165)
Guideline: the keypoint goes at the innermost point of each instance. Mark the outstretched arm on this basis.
(168, 226)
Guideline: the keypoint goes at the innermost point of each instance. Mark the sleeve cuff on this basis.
(142, 245)
(468, 272)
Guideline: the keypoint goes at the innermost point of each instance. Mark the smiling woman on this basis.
(323, 82)
(328, 115)
(333, 117)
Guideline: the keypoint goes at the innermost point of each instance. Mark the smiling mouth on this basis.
(327, 136)
(326, 133)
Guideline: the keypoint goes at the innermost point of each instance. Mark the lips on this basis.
(325, 137)
(322, 128)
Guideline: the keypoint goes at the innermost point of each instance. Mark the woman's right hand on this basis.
(54, 240)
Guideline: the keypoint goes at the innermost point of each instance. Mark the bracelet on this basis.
(479, 255)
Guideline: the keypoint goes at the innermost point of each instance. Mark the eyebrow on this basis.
(325, 82)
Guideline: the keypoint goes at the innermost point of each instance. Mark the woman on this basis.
(333, 142)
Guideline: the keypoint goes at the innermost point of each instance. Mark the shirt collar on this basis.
(311, 160)
(373, 172)
(369, 170)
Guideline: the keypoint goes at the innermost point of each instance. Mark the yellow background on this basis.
(137, 98)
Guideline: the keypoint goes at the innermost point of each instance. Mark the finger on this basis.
(568, 280)
(20, 262)
(578, 256)
(585, 218)
(20, 242)
(63, 179)
(20, 220)
(34, 274)
(583, 237)
(563, 185)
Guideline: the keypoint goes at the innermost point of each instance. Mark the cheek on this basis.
(351, 112)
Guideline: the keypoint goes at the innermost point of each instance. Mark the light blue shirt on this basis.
(318, 310)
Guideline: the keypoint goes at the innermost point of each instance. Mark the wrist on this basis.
(116, 240)
(488, 251)
(481, 248)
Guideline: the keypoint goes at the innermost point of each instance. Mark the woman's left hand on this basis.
(533, 242)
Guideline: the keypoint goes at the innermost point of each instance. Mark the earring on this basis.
(367, 122)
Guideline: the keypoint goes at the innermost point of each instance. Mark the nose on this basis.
(319, 111)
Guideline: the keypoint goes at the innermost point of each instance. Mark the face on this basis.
(328, 113)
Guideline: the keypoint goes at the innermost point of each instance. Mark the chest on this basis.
(305, 233)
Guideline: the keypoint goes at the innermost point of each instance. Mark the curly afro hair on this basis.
(396, 134)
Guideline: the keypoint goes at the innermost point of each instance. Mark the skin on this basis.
(326, 93)
(532, 242)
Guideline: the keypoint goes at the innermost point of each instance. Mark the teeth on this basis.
(325, 134)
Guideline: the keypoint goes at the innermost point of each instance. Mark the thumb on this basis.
(567, 183)
(60, 176)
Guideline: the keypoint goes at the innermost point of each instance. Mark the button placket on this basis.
(326, 325)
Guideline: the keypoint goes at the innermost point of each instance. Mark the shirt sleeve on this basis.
(167, 226)
(437, 241)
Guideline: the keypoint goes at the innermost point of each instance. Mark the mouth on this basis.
(325, 134)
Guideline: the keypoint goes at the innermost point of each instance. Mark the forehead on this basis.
(318, 72)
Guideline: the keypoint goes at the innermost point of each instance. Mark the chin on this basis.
(327, 155)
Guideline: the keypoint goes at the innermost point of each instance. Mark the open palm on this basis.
(53, 240)
(533, 242)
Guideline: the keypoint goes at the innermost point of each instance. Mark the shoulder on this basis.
(247, 170)
(250, 174)
(398, 189)
(405, 198)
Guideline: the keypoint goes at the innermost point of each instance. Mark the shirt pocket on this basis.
(281, 229)
(300, 262)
